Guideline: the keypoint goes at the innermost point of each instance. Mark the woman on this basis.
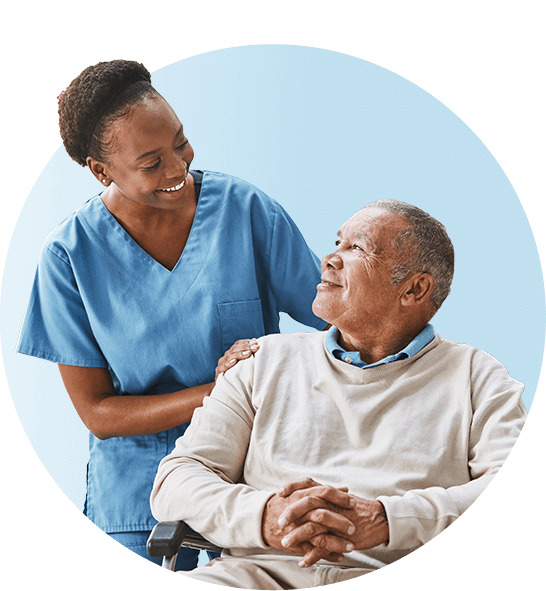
(141, 290)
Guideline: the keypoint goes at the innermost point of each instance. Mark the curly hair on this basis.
(100, 95)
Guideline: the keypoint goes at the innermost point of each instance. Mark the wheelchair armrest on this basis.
(167, 537)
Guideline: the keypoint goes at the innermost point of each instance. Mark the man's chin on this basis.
(321, 312)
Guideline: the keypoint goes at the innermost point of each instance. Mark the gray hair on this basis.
(424, 247)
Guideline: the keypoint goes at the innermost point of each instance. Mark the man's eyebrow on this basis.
(362, 237)
(151, 152)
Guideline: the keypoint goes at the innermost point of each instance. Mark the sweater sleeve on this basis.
(498, 416)
(200, 482)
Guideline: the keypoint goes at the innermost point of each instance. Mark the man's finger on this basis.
(289, 488)
(338, 496)
(321, 500)
(318, 536)
(315, 553)
(306, 483)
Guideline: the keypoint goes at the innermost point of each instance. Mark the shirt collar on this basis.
(353, 357)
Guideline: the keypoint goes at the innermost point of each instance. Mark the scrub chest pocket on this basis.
(240, 320)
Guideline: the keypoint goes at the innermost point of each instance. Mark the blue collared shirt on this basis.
(353, 357)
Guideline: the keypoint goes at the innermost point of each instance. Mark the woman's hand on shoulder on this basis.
(242, 349)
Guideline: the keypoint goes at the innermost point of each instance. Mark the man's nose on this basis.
(332, 260)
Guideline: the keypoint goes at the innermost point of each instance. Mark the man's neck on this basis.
(374, 347)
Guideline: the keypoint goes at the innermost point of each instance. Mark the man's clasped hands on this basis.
(322, 522)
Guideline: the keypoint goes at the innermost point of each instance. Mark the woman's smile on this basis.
(173, 189)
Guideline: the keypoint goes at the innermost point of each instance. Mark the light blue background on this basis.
(322, 133)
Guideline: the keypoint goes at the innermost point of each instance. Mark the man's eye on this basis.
(356, 246)
(183, 145)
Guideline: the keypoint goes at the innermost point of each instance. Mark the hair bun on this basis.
(121, 74)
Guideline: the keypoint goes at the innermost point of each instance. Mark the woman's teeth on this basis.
(177, 188)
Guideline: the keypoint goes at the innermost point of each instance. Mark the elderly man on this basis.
(398, 429)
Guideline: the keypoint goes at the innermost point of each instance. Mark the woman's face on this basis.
(151, 157)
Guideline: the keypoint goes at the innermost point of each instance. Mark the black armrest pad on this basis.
(166, 538)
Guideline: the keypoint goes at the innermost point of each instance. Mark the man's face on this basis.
(356, 294)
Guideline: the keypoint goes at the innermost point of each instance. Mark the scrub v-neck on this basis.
(136, 246)
(190, 262)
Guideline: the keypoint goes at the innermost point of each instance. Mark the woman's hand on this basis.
(242, 349)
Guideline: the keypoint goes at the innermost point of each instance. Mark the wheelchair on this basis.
(168, 536)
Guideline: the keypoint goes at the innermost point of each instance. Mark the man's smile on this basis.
(324, 283)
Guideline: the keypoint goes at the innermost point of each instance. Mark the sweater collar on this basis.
(353, 357)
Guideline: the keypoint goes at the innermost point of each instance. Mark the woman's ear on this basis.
(417, 289)
(99, 171)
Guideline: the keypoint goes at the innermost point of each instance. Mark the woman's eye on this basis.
(183, 145)
(153, 167)
(356, 246)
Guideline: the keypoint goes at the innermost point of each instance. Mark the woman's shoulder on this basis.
(241, 199)
(76, 228)
(233, 186)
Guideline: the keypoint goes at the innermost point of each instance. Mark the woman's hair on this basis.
(424, 247)
(100, 95)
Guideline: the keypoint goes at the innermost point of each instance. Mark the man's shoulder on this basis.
(286, 357)
(294, 338)
(287, 344)
(446, 345)
(452, 352)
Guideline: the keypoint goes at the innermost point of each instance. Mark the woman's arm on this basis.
(106, 414)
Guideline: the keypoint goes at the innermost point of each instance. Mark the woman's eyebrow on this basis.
(180, 130)
(148, 154)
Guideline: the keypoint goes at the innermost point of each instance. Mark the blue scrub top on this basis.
(99, 300)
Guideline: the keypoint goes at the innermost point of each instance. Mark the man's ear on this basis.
(417, 289)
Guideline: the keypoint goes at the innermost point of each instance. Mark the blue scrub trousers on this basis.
(136, 541)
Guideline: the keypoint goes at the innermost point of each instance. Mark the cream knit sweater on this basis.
(423, 435)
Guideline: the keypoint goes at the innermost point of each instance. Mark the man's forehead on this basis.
(366, 219)
(372, 220)
(346, 230)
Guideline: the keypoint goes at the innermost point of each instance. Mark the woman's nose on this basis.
(177, 168)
